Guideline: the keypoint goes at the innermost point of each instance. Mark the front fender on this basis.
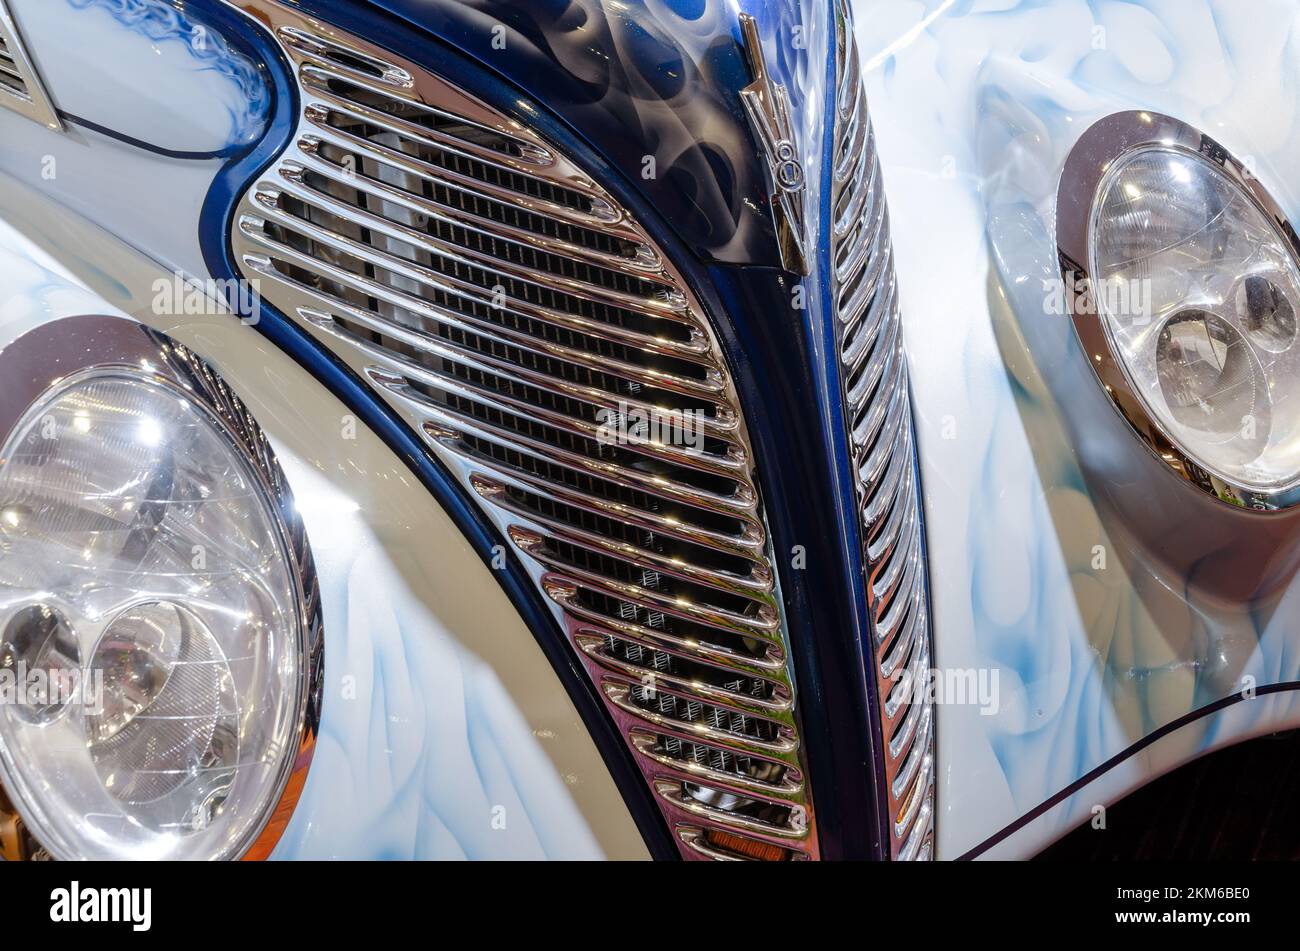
(1132, 622)
(444, 732)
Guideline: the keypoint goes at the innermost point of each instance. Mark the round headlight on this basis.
(160, 653)
(1191, 295)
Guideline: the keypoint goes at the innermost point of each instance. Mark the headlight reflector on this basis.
(142, 542)
(1212, 341)
(1190, 319)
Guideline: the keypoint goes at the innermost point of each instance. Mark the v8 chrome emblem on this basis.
(768, 109)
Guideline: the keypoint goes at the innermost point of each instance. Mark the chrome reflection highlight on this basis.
(874, 377)
(519, 320)
(768, 107)
(1211, 380)
(1185, 293)
(39, 637)
(149, 545)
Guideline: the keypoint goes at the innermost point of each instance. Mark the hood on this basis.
(653, 86)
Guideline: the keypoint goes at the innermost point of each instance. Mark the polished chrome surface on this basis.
(20, 87)
(519, 319)
(1099, 147)
(61, 348)
(767, 106)
(881, 443)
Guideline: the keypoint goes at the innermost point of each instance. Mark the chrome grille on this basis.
(10, 78)
(20, 87)
(874, 376)
(518, 318)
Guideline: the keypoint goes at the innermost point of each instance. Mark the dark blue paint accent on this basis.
(852, 752)
(632, 79)
(810, 500)
(213, 235)
(779, 360)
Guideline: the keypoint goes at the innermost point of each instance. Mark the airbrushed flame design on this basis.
(1044, 562)
(162, 21)
(650, 78)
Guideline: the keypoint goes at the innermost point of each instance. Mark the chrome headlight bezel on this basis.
(1120, 136)
(41, 360)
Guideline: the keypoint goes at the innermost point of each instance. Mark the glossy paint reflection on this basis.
(204, 96)
(653, 85)
(444, 733)
(1106, 627)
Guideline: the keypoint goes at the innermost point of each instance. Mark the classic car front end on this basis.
(475, 429)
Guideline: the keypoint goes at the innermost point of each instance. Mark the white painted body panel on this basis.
(976, 106)
(445, 732)
(185, 90)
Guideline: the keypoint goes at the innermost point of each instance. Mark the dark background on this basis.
(1238, 804)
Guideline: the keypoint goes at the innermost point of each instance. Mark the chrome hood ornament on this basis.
(768, 109)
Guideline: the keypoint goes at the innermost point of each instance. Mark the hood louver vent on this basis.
(874, 374)
(528, 328)
(20, 87)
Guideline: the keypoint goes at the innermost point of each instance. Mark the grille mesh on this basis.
(528, 328)
(20, 87)
(874, 375)
(10, 77)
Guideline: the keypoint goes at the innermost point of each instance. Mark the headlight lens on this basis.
(139, 546)
(1198, 296)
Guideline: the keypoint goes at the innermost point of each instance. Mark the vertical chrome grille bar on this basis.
(873, 371)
